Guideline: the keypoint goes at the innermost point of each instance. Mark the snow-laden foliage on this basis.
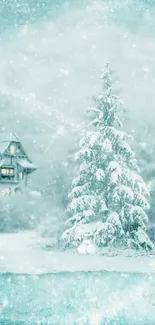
(108, 197)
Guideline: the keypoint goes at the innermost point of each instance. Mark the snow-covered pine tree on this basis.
(108, 197)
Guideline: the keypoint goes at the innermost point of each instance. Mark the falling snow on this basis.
(52, 54)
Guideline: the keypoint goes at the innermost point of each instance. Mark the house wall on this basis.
(10, 159)
(12, 184)
(12, 187)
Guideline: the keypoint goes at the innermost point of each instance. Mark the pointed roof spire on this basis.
(8, 136)
(13, 136)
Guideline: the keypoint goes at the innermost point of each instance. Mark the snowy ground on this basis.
(24, 253)
(86, 298)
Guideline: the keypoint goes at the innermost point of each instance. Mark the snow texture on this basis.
(87, 247)
(49, 287)
(109, 199)
(25, 253)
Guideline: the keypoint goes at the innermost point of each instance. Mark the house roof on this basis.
(25, 163)
(5, 139)
(3, 146)
(1, 163)
(7, 136)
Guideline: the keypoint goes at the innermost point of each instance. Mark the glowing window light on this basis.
(7, 171)
(12, 149)
(21, 175)
(4, 171)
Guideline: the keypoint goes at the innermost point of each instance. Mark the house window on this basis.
(7, 172)
(12, 149)
(21, 175)
(4, 171)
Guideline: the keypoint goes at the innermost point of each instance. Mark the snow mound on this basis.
(23, 253)
(87, 247)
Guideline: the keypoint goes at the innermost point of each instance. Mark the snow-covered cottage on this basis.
(15, 165)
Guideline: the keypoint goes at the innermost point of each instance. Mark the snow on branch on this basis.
(108, 197)
(82, 203)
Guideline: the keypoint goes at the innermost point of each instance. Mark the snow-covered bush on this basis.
(108, 197)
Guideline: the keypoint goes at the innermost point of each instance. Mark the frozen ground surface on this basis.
(80, 298)
(37, 287)
(24, 253)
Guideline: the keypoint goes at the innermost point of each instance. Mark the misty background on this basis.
(51, 56)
